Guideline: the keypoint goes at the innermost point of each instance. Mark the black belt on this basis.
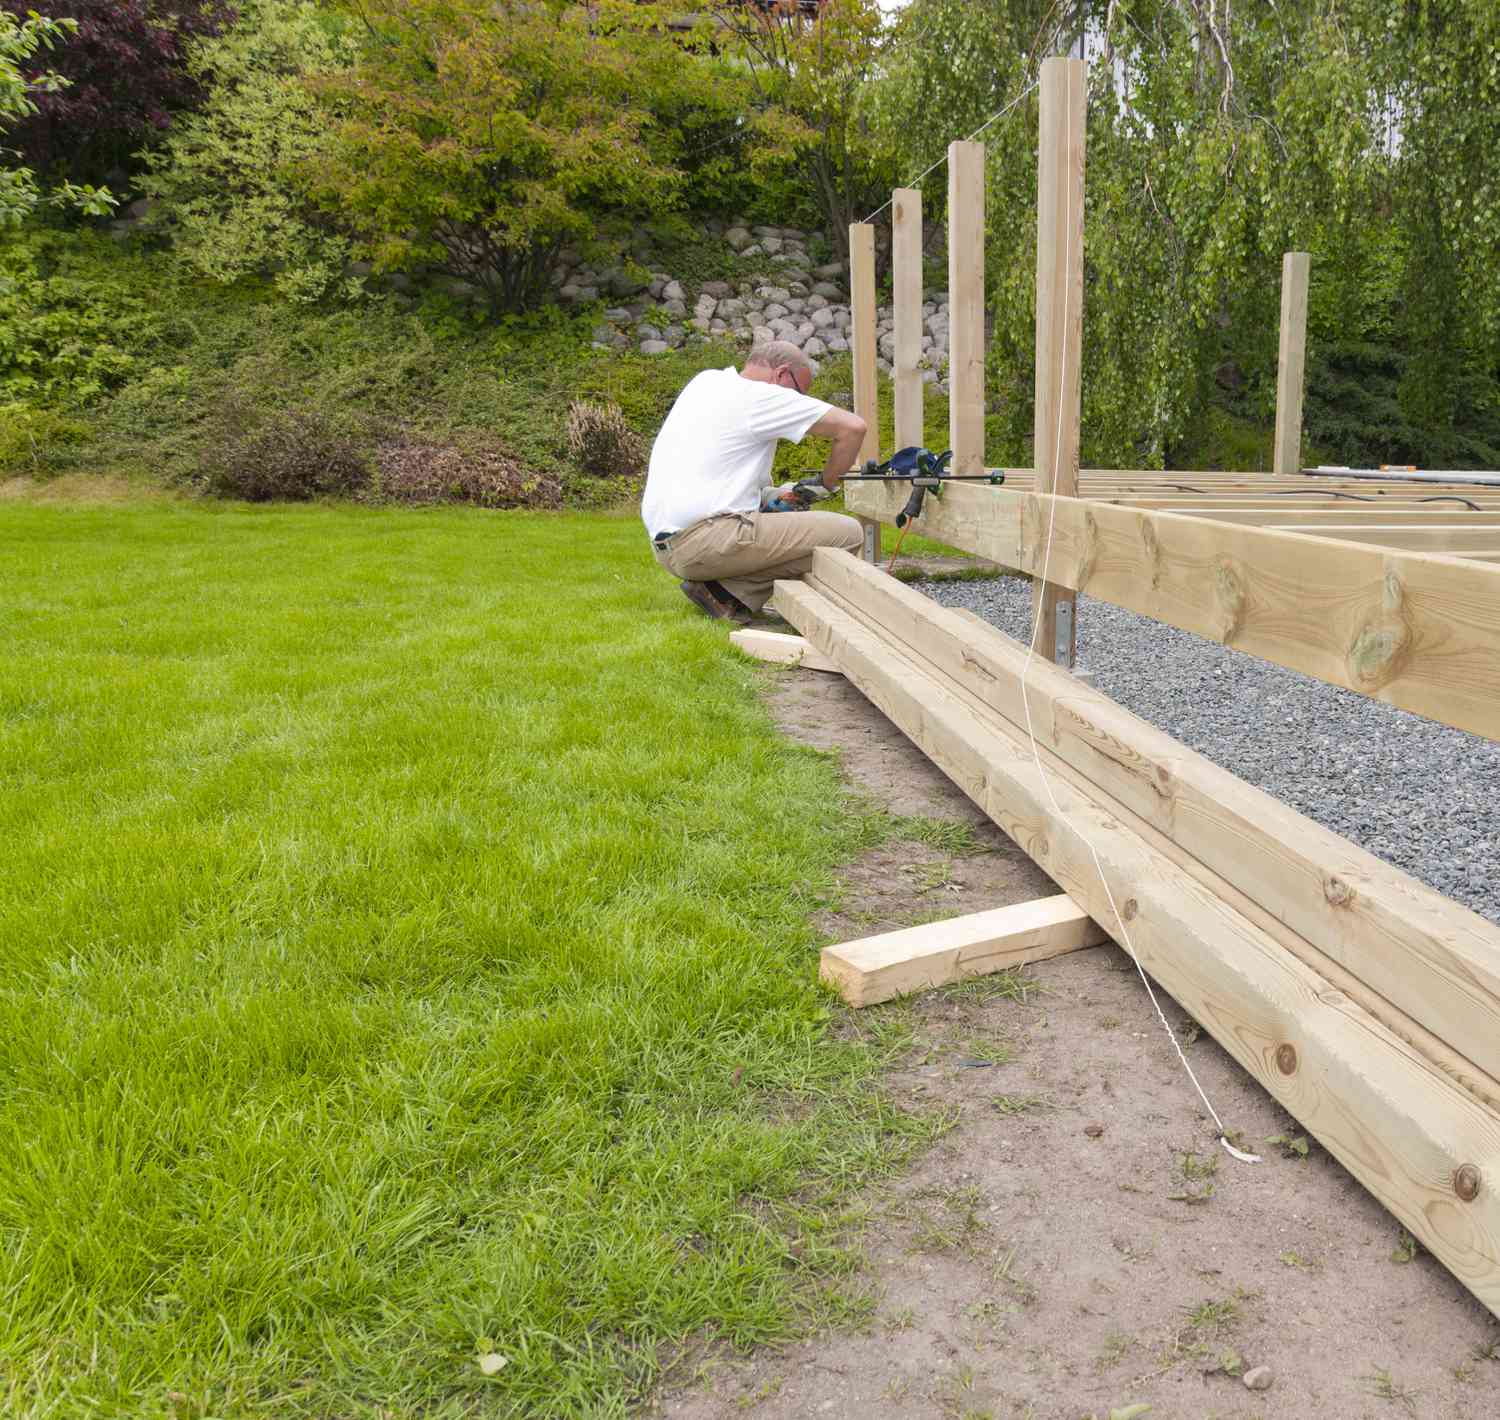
(663, 538)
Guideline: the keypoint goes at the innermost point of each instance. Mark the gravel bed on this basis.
(1421, 796)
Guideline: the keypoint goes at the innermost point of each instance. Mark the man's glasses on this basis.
(796, 382)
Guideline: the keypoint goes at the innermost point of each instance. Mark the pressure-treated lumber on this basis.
(1059, 324)
(781, 649)
(966, 306)
(1414, 629)
(1287, 455)
(1419, 1141)
(1437, 961)
(937, 953)
(862, 347)
(906, 302)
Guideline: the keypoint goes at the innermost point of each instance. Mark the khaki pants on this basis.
(748, 552)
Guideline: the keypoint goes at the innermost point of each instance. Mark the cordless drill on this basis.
(803, 496)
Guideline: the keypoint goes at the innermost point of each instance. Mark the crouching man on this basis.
(709, 481)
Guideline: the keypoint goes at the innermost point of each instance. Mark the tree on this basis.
(481, 135)
(808, 71)
(20, 42)
(126, 76)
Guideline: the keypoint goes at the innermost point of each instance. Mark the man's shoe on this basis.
(701, 597)
(738, 610)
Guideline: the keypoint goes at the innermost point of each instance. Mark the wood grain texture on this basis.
(1436, 962)
(1394, 1120)
(906, 301)
(1416, 630)
(862, 334)
(1287, 448)
(966, 306)
(897, 963)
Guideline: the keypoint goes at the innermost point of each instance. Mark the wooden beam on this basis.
(1414, 629)
(1059, 325)
(1419, 1141)
(966, 306)
(917, 958)
(906, 300)
(780, 649)
(1439, 962)
(1288, 446)
(862, 343)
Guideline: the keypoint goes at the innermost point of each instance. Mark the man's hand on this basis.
(847, 431)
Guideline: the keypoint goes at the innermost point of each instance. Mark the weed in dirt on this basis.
(1189, 1032)
(896, 1389)
(1383, 1386)
(1197, 1178)
(1489, 1351)
(1295, 1259)
(1109, 1023)
(1227, 1361)
(960, 1397)
(951, 1227)
(986, 1052)
(1002, 986)
(1005, 1271)
(764, 1391)
(1292, 1147)
(1463, 1373)
(1115, 1347)
(901, 1320)
(943, 834)
(1406, 1248)
(1009, 1105)
(1212, 1316)
(922, 878)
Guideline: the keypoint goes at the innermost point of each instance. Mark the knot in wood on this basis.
(1382, 646)
(1152, 550)
(1090, 551)
(1286, 1058)
(1130, 909)
(1466, 1181)
(1337, 891)
(1229, 592)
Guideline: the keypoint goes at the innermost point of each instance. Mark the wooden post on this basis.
(1295, 266)
(966, 306)
(906, 272)
(862, 338)
(1059, 327)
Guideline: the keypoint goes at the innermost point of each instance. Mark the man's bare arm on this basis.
(847, 433)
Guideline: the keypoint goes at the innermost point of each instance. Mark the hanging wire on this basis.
(975, 134)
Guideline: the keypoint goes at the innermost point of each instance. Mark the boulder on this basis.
(717, 326)
(829, 271)
(717, 289)
(805, 331)
(673, 334)
(619, 314)
(814, 348)
(775, 310)
(795, 304)
(705, 307)
(569, 292)
(730, 307)
(654, 347)
(762, 333)
(752, 250)
(828, 289)
(816, 302)
(647, 332)
(587, 293)
(675, 309)
(836, 343)
(602, 334)
(770, 245)
(822, 319)
(772, 293)
(657, 286)
(673, 291)
(766, 231)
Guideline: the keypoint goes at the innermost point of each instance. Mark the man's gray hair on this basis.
(778, 355)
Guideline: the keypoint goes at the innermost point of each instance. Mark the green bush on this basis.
(70, 329)
(31, 440)
(281, 455)
(477, 471)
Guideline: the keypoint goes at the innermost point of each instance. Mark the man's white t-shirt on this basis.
(713, 454)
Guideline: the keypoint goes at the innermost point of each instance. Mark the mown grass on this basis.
(404, 921)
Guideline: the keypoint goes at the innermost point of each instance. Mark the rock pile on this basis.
(802, 303)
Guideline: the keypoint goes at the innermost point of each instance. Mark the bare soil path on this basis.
(1076, 1244)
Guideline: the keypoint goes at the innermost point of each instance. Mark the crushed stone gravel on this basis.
(1421, 796)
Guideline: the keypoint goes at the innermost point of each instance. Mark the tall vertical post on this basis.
(1295, 267)
(866, 397)
(966, 306)
(1059, 329)
(906, 294)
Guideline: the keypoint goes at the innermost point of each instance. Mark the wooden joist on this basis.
(1417, 630)
(878, 968)
(1423, 1141)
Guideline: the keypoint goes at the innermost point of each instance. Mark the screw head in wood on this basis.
(1466, 1182)
(1286, 1058)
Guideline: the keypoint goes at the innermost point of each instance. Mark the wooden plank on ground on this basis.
(780, 649)
(1423, 1145)
(892, 964)
(906, 303)
(1417, 630)
(1435, 960)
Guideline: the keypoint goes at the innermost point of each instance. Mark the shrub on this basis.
(289, 455)
(32, 440)
(602, 443)
(225, 180)
(480, 472)
(126, 72)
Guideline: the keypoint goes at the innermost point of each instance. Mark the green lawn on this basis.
(406, 957)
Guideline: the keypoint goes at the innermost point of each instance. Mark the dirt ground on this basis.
(1077, 1244)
